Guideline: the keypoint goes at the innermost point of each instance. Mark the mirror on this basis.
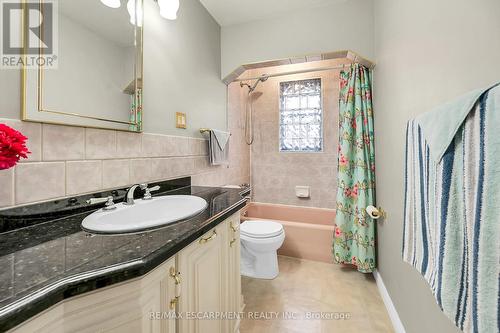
(97, 79)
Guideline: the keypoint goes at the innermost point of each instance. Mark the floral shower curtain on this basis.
(354, 239)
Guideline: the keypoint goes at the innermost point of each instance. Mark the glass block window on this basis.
(301, 119)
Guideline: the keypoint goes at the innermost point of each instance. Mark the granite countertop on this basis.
(47, 262)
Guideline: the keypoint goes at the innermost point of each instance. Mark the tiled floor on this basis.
(307, 286)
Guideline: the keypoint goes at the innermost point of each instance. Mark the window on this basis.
(301, 119)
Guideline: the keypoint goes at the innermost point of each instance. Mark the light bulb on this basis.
(135, 13)
(112, 3)
(169, 8)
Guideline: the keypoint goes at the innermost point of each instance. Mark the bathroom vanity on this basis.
(184, 277)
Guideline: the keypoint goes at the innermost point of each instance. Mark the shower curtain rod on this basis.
(294, 72)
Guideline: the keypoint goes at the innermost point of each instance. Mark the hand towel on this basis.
(219, 147)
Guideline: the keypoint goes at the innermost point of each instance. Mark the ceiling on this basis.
(229, 12)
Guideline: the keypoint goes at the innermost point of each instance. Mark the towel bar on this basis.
(204, 130)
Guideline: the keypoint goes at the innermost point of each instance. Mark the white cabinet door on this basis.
(234, 276)
(202, 267)
(142, 305)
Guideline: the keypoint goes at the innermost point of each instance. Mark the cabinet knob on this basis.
(175, 275)
(208, 239)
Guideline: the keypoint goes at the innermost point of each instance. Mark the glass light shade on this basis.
(112, 3)
(169, 8)
(135, 13)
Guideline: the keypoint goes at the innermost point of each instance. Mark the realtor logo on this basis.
(28, 33)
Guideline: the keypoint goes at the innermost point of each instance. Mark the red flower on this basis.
(354, 192)
(338, 232)
(366, 139)
(343, 161)
(12, 147)
(353, 260)
(343, 83)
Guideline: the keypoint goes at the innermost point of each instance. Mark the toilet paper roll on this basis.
(373, 212)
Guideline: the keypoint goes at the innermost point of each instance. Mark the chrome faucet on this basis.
(129, 196)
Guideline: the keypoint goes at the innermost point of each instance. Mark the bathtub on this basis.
(308, 231)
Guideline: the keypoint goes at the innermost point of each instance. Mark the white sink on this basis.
(144, 214)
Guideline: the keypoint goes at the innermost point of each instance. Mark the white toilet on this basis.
(260, 239)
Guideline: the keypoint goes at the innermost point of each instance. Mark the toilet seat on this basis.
(261, 229)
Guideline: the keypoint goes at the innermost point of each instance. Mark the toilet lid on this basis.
(261, 228)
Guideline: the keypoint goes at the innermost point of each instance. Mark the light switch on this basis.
(180, 120)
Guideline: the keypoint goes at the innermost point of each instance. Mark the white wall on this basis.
(346, 25)
(427, 52)
(182, 70)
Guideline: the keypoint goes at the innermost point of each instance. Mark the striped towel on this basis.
(452, 207)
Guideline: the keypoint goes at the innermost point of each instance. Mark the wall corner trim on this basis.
(391, 309)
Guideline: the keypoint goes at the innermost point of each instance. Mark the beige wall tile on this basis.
(180, 146)
(140, 171)
(182, 166)
(100, 144)
(201, 164)
(169, 147)
(33, 131)
(161, 168)
(62, 143)
(128, 145)
(204, 147)
(7, 187)
(194, 148)
(83, 176)
(115, 173)
(39, 181)
(152, 145)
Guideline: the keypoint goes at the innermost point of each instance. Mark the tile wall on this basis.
(275, 174)
(67, 161)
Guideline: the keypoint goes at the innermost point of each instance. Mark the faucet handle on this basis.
(108, 200)
(148, 190)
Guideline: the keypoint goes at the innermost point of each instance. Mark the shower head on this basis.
(251, 88)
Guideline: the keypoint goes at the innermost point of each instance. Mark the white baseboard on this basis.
(393, 314)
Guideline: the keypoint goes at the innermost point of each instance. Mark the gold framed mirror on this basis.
(95, 73)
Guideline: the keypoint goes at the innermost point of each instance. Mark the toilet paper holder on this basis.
(376, 212)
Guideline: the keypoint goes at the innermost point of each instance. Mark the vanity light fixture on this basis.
(133, 13)
(112, 3)
(168, 9)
